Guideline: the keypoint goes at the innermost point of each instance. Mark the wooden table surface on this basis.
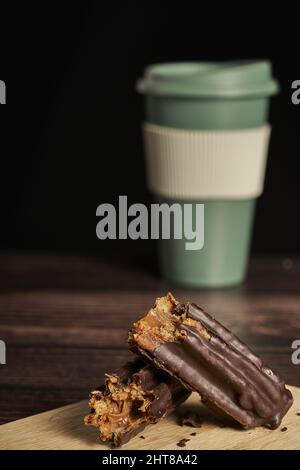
(64, 319)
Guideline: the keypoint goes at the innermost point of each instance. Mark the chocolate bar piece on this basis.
(206, 357)
(132, 397)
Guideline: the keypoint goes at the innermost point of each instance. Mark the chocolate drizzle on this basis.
(229, 377)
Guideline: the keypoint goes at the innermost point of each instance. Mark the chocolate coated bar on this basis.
(206, 357)
(132, 397)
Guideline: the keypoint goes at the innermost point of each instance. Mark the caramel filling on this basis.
(162, 324)
(119, 409)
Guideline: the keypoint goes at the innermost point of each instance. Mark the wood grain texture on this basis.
(65, 318)
(63, 429)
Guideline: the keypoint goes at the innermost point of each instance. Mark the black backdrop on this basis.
(74, 116)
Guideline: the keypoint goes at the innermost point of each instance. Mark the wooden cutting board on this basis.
(63, 428)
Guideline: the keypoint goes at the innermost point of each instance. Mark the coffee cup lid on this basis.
(209, 79)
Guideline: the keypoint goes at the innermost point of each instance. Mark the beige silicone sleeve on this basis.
(186, 164)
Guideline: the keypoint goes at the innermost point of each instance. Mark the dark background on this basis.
(74, 117)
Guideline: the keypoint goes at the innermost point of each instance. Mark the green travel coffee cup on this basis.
(206, 139)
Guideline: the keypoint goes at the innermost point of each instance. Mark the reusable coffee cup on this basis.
(206, 140)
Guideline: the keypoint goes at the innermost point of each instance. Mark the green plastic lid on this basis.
(209, 79)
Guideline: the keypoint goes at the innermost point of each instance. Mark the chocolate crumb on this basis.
(192, 419)
(179, 309)
(193, 434)
(182, 442)
(142, 437)
(283, 429)
(298, 414)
